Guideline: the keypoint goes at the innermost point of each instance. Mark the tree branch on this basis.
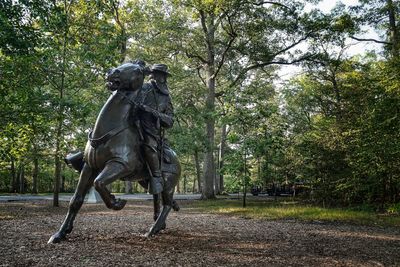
(260, 3)
(189, 55)
(204, 25)
(370, 40)
(201, 78)
(233, 35)
(272, 3)
(263, 64)
(221, 62)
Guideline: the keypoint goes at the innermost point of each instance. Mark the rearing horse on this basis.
(113, 151)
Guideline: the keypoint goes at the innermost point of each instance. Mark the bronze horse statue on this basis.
(113, 152)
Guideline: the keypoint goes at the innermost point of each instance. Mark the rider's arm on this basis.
(167, 118)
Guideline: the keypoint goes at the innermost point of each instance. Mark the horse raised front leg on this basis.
(85, 182)
(111, 172)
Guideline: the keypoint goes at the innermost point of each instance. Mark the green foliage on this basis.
(351, 141)
(335, 127)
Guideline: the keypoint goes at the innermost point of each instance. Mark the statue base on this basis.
(93, 196)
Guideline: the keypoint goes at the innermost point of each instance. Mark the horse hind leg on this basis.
(160, 222)
(85, 182)
(156, 205)
(112, 171)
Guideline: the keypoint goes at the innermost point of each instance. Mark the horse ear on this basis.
(140, 62)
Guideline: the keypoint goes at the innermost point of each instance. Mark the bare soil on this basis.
(102, 237)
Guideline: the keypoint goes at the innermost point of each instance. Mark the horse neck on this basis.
(114, 113)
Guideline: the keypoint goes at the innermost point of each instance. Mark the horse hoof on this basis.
(151, 233)
(56, 238)
(119, 204)
(175, 206)
(154, 230)
(69, 230)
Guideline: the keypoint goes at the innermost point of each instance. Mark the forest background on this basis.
(333, 128)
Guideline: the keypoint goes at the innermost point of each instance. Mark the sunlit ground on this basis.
(296, 210)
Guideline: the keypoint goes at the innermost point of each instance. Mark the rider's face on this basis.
(158, 76)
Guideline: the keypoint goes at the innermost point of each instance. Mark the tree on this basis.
(383, 16)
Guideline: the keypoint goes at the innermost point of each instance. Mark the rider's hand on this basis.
(150, 110)
(145, 108)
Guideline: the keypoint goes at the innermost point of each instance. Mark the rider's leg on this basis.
(112, 171)
(85, 182)
(152, 158)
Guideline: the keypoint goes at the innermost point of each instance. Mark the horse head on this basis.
(128, 76)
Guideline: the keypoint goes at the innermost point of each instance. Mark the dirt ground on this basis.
(102, 237)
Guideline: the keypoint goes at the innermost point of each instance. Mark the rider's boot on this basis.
(156, 184)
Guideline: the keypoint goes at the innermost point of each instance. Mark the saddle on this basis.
(167, 158)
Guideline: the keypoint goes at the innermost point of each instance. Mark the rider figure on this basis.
(158, 114)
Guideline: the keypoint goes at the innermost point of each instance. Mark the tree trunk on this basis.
(209, 164)
(184, 183)
(194, 186)
(123, 38)
(394, 35)
(244, 180)
(198, 172)
(128, 187)
(178, 188)
(222, 148)
(13, 188)
(60, 119)
(62, 185)
(57, 177)
(216, 176)
(35, 174)
(21, 178)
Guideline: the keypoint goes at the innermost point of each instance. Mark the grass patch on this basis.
(295, 210)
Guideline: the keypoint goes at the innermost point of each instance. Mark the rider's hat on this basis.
(161, 68)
